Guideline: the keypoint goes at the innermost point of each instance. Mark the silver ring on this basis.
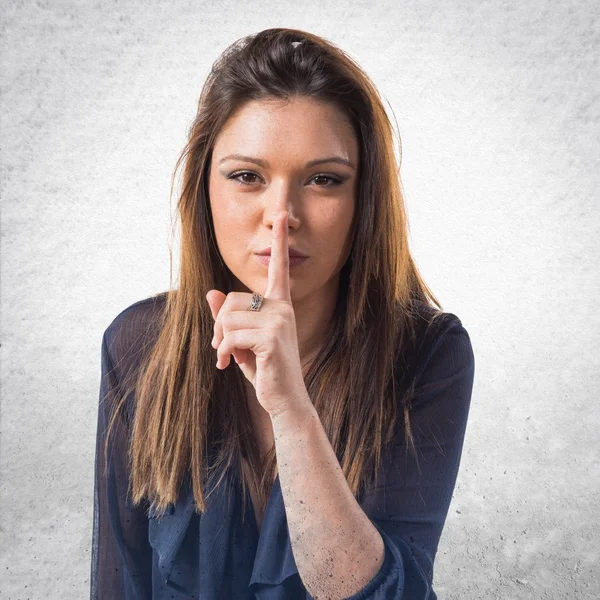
(256, 302)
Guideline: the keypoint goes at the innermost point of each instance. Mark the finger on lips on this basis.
(278, 282)
(278, 278)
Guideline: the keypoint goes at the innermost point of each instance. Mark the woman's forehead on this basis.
(262, 129)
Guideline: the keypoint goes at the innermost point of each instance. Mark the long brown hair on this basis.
(191, 418)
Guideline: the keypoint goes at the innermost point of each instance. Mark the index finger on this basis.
(278, 285)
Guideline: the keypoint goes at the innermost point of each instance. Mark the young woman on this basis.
(288, 423)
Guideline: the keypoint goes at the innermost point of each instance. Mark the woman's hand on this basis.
(264, 343)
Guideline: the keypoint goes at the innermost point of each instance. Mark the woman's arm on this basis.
(336, 547)
(338, 544)
(121, 566)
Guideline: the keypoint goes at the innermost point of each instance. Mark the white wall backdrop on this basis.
(497, 104)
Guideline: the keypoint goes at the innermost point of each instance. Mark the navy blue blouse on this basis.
(136, 555)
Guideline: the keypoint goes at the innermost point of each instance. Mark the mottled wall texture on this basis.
(497, 105)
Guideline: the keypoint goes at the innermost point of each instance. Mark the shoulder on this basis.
(132, 331)
(444, 365)
(137, 316)
(445, 335)
(442, 344)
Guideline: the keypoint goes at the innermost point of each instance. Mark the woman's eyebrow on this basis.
(310, 163)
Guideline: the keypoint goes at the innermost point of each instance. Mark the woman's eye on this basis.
(334, 180)
(235, 177)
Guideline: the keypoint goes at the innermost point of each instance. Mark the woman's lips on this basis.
(294, 260)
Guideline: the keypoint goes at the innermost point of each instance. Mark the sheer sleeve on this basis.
(121, 555)
(410, 505)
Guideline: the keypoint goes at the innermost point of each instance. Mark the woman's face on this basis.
(245, 197)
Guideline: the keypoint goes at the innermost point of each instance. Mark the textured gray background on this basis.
(498, 112)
